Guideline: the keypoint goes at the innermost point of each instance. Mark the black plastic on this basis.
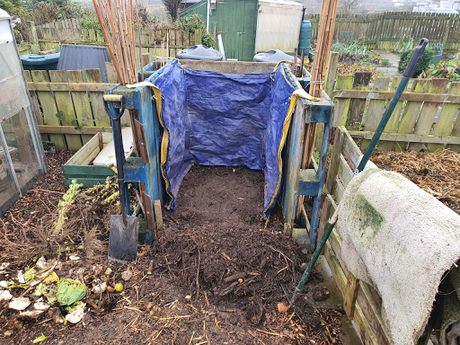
(418, 52)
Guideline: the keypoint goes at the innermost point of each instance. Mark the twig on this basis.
(198, 275)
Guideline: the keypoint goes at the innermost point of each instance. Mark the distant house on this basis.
(251, 26)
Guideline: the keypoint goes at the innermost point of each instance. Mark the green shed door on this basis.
(237, 20)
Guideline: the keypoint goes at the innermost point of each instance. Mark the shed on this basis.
(251, 26)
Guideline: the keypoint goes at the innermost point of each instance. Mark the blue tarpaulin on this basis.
(214, 119)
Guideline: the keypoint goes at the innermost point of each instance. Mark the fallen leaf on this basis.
(39, 339)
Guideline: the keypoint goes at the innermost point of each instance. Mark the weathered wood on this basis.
(355, 117)
(158, 214)
(445, 124)
(428, 112)
(45, 129)
(35, 105)
(349, 298)
(350, 149)
(376, 109)
(342, 104)
(81, 103)
(332, 171)
(412, 110)
(393, 124)
(65, 108)
(89, 151)
(405, 138)
(48, 106)
(64, 86)
(100, 117)
(331, 73)
(111, 73)
(387, 95)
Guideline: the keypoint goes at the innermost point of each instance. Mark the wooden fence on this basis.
(53, 35)
(391, 30)
(68, 108)
(360, 301)
(425, 118)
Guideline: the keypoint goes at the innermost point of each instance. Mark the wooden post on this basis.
(198, 39)
(33, 37)
(331, 73)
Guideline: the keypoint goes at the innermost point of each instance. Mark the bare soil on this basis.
(213, 275)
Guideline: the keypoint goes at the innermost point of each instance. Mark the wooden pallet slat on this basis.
(65, 108)
(445, 125)
(49, 109)
(81, 103)
(428, 112)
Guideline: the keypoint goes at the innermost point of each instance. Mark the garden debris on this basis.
(30, 315)
(126, 275)
(77, 314)
(19, 303)
(41, 306)
(41, 263)
(183, 262)
(39, 339)
(5, 295)
(434, 172)
(70, 291)
(100, 287)
(52, 278)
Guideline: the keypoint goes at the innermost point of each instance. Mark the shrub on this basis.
(192, 24)
(422, 64)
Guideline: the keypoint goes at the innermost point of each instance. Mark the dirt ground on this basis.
(213, 275)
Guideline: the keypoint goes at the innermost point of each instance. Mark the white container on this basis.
(278, 25)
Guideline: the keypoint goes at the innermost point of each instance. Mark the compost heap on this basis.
(214, 273)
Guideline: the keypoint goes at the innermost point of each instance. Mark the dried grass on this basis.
(434, 172)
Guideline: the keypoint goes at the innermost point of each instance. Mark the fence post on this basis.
(379, 31)
(34, 45)
(198, 37)
(331, 73)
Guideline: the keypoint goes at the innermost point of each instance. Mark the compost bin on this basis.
(222, 119)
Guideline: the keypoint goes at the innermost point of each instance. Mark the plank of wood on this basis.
(336, 152)
(97, 105)
(35, 105)
(361, 81)
(87, 153)
(445, 125)
(48, 105)
(344, 172)
(363, 328)
(405, 138)
(406, 96)
(331, 73)
(371, 308)
(55, 86)
(412, 110)
(428, 113)
(65, 107)
(342, 104)
(349, 297)
(393, 124)
(111, 73)
(81, 103)
(376, 109)
(45, 129)
(350, 149)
